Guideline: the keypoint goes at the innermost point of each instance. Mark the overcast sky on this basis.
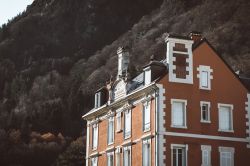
(10, 8)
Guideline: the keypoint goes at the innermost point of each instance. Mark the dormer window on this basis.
(119, 90)
(97, 99)
(205, 77)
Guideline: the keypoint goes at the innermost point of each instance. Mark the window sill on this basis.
(118, 131)
(146, 130)
(127, 137)
(111, 143)
(203, 121)
(203, 88)
(226, 131)
(180, 127)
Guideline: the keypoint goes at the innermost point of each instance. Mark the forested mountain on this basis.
(56, 53)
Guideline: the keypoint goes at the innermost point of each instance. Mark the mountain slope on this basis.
(56, 54)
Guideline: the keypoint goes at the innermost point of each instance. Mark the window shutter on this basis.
(225, 118)
(147, 116)
(204, 79)
(178, 114)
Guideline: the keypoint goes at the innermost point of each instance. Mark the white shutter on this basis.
(224, 118)
(128, 123)
(118, 122)
(95, 136)
(178, 114)
(146, 116)
(204, 79)
(117, 159)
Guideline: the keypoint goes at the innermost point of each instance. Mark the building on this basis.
(189, 109)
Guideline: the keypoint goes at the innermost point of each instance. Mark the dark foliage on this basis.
(54, 55)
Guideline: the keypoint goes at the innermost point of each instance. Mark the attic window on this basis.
(205, 76)
(97, 99)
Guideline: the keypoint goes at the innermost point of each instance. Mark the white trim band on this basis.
(212, 137)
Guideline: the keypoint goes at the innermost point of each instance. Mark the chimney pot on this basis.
(195, 36)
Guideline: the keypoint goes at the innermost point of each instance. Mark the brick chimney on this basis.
(195, 36)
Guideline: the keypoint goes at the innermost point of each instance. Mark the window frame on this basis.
(92, 160)
(93, 138)
(230, 150)
(184, 126)
(97, 99)
(148, 104)
(127, 148)
(118, 153)
(108, 156)
(111, 120)
(206, 148)
(128, 111)
(208, 70)
(231, 117)
(179, 146)
(148, 142)
(118, 119)
(208, 111)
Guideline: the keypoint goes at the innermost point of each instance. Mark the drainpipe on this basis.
(156, 125)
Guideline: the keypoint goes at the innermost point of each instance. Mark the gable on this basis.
(205, 54)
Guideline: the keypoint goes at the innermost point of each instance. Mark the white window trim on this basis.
(202, 68)
(209, 113)
(143, 112)
(179, 146)
(185, 113)
(125, 149)
(231, 110)
(227, 149)
(93, 126)
(111, 119)
(147, 141)
(126, 112)
(206, 148)
(110, 154)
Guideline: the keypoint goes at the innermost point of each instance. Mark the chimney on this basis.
(123, 61)
(179, 57)
(195, 36)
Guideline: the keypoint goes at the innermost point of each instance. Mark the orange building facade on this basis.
(189, 109)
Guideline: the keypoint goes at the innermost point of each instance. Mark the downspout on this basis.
(156, 125)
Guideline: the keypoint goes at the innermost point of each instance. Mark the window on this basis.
(179, 155)
(127, 125)
(118, 156)
(94, 136)
(146, 116)
(118, 122)
(178, 113)
(226, 156)
(110, 159)
(225, 117)
(205, 77)
(146, 153)
(205, 111)
(111, 130)
(127, 156)
(206, 155)
(94, 161)
(97, 99)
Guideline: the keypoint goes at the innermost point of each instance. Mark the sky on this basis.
(11, 8)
